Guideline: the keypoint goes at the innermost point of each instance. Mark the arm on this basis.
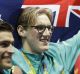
(66, 52)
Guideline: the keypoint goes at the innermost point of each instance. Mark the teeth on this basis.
(45, 39)
(6, 57)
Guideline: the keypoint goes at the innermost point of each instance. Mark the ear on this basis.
(21, 31)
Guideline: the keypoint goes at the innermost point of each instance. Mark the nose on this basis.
(10, 49)
(47, 32)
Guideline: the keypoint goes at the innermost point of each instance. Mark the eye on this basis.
(40, 27)
(5, 44)
(49, 27)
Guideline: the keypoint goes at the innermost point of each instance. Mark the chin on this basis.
(7, 65)
(44, 48)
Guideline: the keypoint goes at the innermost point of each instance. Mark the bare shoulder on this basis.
(16, 70)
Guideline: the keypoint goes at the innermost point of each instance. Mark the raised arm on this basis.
(66, 52)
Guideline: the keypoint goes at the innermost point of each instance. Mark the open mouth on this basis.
(44, 41)
(8, 60)
(6, 57)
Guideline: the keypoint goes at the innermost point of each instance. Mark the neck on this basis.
(27, 47)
